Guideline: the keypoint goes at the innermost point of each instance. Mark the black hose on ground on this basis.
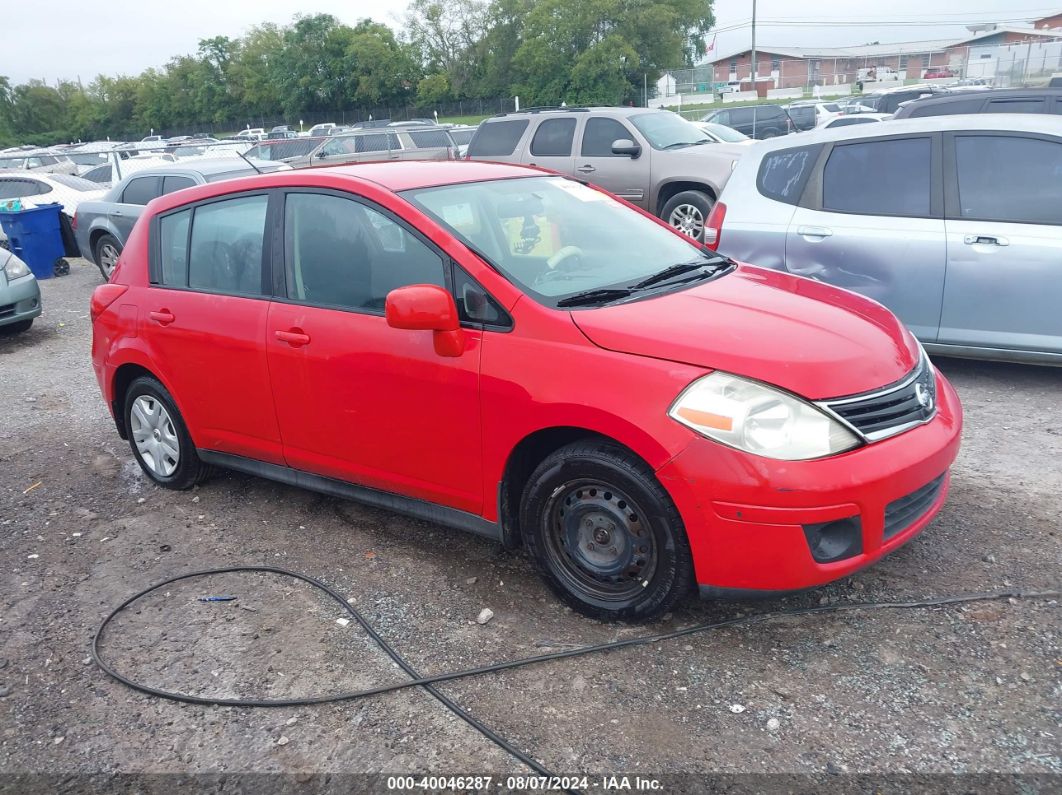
(429, 682)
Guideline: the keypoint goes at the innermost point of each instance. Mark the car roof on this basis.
(409, 174)
(963, 96)
(204, 166)
(1010, 122)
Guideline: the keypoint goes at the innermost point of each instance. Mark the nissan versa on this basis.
(513, 353)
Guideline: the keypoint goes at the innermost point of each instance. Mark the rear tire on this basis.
(106, 251)
(605, 534)
(688, 211)
(159, 438)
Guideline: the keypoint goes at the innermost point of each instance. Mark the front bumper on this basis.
(20, 299)
(749, 518)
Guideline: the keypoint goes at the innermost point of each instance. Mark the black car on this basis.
(756, 121)
(1000, 100)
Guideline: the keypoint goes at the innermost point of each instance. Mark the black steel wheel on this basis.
(606, 536)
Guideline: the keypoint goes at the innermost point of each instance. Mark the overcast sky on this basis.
(74, 38)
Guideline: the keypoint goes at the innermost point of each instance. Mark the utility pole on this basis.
(753, 45)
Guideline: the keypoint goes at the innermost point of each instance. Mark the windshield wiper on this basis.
(682, 143)
(592, 297)
(678, 270)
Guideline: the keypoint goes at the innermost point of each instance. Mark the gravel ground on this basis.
(967, 690)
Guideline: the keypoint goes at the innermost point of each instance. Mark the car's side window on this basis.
(600, 133)
(141, 190)
(474, 304)
(376, 142)
(497, 138)
(1009, 178)
(17, 188)
(899, 171)
(170, 184)
(342, 253)
(784, 174)
(553, 138)
(225, 252)
(339, 146)
(723, 117)
(173, 248)
(1026, 105)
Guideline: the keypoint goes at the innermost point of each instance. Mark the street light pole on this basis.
(753, 45)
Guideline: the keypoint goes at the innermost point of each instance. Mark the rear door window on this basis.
(1009, 178)
(430, 139)
(599, 135)
(783, 174)
(170, 184)
(226, 246)
(497, 138)
(553, 138)
(141, 190)
(890, 177)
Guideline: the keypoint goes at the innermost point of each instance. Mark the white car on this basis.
(34, 189)
(850, 119)
(41, 161)
(721, 134)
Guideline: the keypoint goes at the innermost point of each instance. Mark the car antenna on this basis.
(248, 161)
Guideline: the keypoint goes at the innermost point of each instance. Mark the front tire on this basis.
(688, 211)
(159, 438)
(17, 327)
(107, 250)
(606, 536)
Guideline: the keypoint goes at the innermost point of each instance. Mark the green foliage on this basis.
(545, 51)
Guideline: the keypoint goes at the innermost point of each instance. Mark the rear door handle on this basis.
(294, 337)
(586, 169)
(814, 231)
(988, 240)
(162, 316)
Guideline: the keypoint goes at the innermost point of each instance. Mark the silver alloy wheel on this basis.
(687, 219)
(154, 435)
(108, 258)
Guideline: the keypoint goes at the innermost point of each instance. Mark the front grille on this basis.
(904, 512)
(7, 309)
(893, 409)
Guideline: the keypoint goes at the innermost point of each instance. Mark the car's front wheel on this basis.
(159, 438)
(606, 536)
(688, 211)
(107, 251)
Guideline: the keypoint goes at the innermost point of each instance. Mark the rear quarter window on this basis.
(783, 174)
(498, 138)
(431, 139)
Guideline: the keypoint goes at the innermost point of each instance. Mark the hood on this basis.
(815, 340)
(723, 151)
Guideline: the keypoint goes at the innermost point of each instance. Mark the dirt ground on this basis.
(957, 690)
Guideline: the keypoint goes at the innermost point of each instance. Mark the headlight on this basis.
(16, 268)
(755, 418)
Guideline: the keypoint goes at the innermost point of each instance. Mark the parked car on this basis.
(20, 295)
(654, 159)
(849, 119)
(362, 146)
(290, 151)
(321, 130)
(808, 115)
(45, 162)
(102, 227)
(952, 222)
(281, 134)
(999, 100)
(150, 139)
(104, 176)
(938, 73)
(721, 134)
(459, 341)
(755, 121)
(889, 100)
(35, 188)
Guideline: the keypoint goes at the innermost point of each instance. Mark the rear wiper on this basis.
(591, 297)
(678, 270)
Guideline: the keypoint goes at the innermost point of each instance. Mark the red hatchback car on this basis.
(517, 354)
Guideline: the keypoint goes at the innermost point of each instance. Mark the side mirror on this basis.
(427, 307)
(626, 147)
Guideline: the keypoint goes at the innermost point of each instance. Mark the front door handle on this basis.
(814, 231)
(294, 337)
(988, 240)
(586, 169)
(162, 316)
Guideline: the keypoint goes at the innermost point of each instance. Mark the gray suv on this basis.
(952, 222)
(652, 158)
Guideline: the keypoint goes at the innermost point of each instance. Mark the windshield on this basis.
(667, 130)
(723, 133)
(554, 237)
(77, 183)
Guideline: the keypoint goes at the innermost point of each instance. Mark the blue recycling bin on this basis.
(35, 236)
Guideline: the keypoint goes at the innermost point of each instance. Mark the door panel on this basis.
(626, 177)
(357, 399)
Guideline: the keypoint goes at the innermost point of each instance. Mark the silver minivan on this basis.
(954, 223)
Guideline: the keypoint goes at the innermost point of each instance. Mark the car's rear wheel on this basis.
(687, 212)
(107, 251)
(605, 534)
(159, 438)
